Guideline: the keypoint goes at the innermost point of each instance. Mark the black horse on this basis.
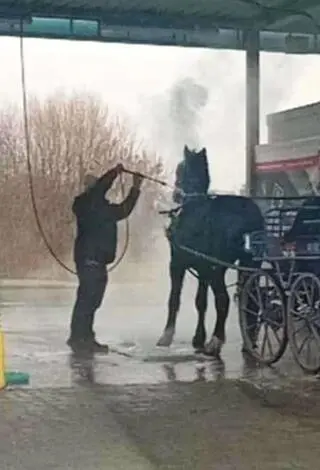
(192, 181)
(213, 226)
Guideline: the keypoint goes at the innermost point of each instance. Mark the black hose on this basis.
(30, 177)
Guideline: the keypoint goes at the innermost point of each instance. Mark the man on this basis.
(95, 248)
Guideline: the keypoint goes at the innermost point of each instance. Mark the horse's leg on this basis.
(201, 306)
(222, 301)
(177, 273)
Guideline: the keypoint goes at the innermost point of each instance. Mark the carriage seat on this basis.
(306, 223)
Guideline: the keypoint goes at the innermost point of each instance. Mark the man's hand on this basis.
(119, 168)
(137, 181)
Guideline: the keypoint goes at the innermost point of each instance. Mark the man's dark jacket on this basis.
(97, 219)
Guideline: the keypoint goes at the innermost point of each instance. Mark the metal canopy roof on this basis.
(301, 16)
(291, 26)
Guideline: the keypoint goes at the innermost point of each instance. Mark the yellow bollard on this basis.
(2, 362)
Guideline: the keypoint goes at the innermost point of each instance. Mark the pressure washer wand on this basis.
(137, 173)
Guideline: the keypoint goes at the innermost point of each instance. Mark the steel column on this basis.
(252, 105)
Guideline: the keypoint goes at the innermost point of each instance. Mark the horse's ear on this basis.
(186, 151)
(203, 152)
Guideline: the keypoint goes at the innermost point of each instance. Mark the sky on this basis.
(168, 96)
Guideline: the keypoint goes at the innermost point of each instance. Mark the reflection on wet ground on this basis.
(36, 323)
(143, 407)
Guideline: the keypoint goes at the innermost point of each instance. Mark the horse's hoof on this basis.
(166, 338)
(198, 343)
(213, 347)
(245, 350)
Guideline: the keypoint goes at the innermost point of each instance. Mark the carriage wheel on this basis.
(263, 318)
(304, 322)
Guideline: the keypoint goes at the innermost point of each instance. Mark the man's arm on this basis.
(104, 183)
(123, 210)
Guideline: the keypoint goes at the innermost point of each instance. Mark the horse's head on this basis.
(195, 159)
(192, 174)
(196, 169)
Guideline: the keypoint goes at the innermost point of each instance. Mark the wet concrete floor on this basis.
(143, 406)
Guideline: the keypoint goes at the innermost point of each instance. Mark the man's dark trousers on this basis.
(93, 278)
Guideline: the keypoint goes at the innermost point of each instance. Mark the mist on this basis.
(205, 106)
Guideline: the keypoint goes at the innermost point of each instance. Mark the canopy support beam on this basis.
(252, 106)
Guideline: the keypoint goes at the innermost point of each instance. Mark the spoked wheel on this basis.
(263, 317)
(304, 322)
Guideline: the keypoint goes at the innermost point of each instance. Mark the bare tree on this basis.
(69, 135)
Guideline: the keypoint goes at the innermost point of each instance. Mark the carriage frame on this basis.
(281, 299)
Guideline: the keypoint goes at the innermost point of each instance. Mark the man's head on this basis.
(89, 181)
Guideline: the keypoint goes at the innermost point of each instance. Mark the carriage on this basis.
(280, 303)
